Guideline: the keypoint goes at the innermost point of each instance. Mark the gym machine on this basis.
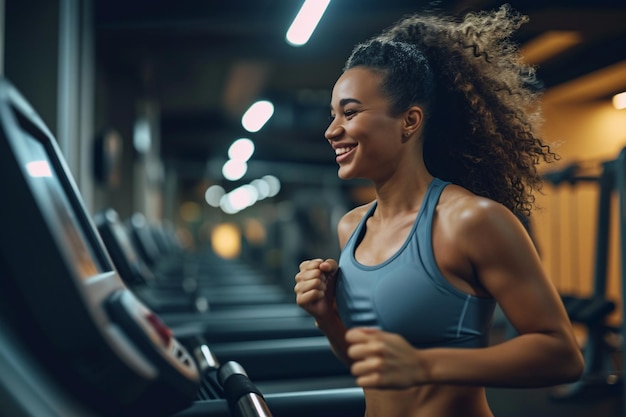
(216, 290)
(592, 310)
(271, 340)
(75, 341)
(203, 275)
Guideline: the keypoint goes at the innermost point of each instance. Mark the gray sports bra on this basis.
(407, 294)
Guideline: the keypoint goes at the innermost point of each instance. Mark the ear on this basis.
(413, 120)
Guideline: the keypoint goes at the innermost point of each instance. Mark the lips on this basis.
(343, 152)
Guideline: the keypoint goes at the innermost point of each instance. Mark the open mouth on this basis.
(344, 150)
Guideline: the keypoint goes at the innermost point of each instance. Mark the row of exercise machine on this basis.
(103, 317)
(167, 336)
(240, 312)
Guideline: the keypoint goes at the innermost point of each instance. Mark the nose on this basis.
(333, 131)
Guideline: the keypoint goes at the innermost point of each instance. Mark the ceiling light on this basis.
(306, 21)
(274, 184)
(262, 187)
(213, 194)
(257, 115)
(234, 170)
(619, 101)
(243, 197)
(241, 149)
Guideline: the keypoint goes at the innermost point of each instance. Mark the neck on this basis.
(405, 194)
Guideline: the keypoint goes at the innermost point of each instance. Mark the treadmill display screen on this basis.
(60, 209)
(126, 245)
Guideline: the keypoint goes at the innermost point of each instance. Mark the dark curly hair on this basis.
(478, 96)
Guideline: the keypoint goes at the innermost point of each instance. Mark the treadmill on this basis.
(216, 289)
(220, 283)
(246, 321)
(74, 340)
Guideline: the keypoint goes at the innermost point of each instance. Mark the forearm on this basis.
(335, 331)
(530, 360)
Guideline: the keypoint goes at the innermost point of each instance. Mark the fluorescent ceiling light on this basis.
(274, 184)
(306, 21)
(213, 194)
(241, 149)
(262, 187)
(619, 101)
(243, 197)
(257, 115)
(233, 170)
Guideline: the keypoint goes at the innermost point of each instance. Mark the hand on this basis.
(384, 360)
(315, 287)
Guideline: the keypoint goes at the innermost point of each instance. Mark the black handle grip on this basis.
(244, 398)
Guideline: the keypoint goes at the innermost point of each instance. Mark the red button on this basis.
(164, 332)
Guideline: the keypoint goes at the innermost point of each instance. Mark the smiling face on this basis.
(367, 139)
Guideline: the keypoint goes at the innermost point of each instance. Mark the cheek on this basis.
(378, 139)
(371, 131)
(378, 136)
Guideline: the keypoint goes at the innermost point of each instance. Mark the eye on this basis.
(349, 113)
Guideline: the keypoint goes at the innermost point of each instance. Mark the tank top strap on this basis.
(357, 234)
(431, 199)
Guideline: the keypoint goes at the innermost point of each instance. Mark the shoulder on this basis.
(465, 209)
(477, 225)
(350, 221)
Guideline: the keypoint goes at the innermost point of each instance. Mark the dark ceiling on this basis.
(206, 61)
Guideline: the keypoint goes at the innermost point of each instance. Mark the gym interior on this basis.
(140, 277)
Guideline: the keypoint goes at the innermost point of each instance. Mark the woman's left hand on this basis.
(384, 360)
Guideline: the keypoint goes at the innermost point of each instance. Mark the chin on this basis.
(344, 174)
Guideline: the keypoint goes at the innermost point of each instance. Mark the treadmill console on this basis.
(61, 292)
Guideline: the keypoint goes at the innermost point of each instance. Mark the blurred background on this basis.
(147, 97)
(147, 100)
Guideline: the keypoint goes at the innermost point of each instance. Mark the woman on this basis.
(437, 115)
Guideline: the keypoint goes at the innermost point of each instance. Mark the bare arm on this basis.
(335, 332)
(506, 262)
(315, 291)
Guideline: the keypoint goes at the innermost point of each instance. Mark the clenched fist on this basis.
(315, 287)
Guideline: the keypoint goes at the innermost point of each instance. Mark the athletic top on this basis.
(407, 294)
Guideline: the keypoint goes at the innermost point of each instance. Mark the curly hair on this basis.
(478, 97)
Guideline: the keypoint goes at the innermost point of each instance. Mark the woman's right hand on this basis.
(315, 287)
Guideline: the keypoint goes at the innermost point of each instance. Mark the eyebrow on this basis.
(345, 101)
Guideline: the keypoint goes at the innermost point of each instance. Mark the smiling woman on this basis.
(437, 114)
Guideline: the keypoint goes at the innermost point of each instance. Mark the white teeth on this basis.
(341, 151)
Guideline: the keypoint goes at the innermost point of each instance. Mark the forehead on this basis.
(358, 83)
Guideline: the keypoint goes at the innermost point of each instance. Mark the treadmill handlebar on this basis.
(243, 397)
(205, 358)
